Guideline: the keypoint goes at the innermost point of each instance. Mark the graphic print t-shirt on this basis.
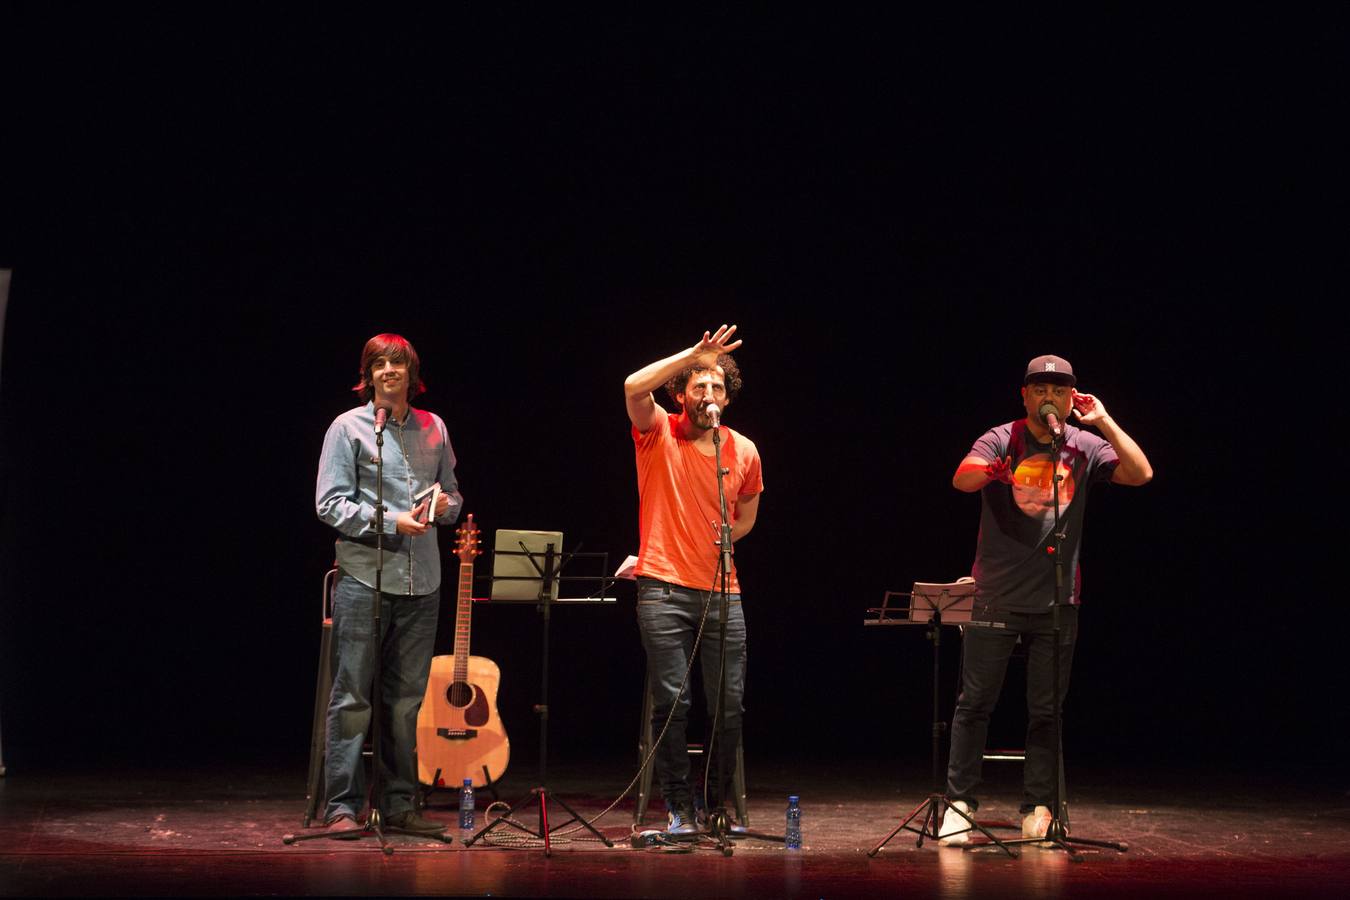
(1013, 571)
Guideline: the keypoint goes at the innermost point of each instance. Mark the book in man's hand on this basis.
(432, 495)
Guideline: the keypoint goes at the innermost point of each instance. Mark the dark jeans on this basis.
(408, 624)
(668, 618)
(983, 665)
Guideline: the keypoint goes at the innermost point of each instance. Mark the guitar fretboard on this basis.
(463, 620)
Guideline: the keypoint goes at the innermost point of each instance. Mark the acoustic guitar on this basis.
(459, 733)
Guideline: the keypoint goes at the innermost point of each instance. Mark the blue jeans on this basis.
(668, 617)
(984, 661)
(408, 624)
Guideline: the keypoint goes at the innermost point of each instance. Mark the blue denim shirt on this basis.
(417, 454)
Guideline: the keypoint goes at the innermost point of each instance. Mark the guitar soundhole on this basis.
(459, 694)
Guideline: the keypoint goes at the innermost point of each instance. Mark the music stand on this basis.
(928, 604)
(527, 568)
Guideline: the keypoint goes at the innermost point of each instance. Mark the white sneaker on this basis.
(955, 830)
(1036, 823)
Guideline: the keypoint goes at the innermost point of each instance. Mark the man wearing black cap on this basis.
(1011, 466)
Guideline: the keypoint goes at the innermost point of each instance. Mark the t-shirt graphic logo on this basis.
(1033, 490)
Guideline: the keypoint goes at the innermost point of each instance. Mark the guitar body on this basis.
(458, 729)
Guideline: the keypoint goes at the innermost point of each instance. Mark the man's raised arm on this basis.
(1134, 468)
(638, 387)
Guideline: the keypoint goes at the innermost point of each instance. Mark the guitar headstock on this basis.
(466, 540)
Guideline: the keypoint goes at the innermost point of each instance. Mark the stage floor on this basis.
(210, 833)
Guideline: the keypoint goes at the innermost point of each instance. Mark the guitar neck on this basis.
(463, 620)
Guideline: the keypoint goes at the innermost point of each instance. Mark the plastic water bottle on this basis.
(466, 804)
(792, 837)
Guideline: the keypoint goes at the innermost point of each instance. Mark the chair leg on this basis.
(318, 737)
(644, 747)
(739, 784)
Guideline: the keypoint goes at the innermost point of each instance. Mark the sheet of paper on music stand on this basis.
(955, 601)
(514, 576)
(627, 569)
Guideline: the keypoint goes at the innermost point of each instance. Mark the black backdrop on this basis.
(208, 217)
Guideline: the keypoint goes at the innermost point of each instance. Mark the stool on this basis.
(645, 782)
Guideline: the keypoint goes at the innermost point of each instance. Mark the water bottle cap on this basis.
(793, 798)
(468, 782)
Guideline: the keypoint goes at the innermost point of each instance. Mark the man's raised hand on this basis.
(1087, 408)
(714, 345)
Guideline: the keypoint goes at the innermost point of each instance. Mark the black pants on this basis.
(668, 618)
(983, 666)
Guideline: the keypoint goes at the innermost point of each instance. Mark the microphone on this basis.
(713, 412)
(381, 414)
(1050, 416)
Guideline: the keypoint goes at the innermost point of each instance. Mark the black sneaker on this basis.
(411, 822)
(682, 820)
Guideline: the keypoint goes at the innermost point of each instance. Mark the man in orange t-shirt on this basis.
(679, 520)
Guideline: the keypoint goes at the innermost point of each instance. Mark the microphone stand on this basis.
(374, 821)
(719, 821)
(1057, 833)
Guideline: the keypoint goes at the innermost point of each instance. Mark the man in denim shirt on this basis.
(679, 520)
(417, 455)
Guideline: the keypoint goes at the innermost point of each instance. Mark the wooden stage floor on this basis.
(214, 833)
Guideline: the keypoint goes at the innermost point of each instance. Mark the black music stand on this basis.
(928, 603)
(532, 574)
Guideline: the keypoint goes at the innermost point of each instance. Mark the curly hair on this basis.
(732, 373)
(397, 349)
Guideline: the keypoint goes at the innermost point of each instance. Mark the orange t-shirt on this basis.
(678, 510)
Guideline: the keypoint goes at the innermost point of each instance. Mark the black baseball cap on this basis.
(1054, 369)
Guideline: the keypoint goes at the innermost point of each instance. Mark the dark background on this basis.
(207, 216)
